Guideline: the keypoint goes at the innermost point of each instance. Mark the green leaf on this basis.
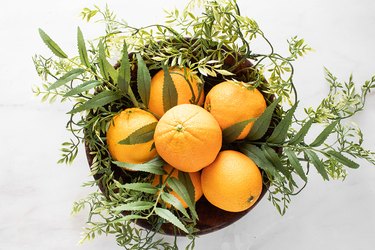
(181, 190)
(97, 101)
(123, 79)
(134, 206)
(128, 218)
(52, 45)
(295, 163)
(273, 157)
(82, 88)
(343, 159)
(107, 71)
(258, 156)
(230, 134)
(185, 179)
(324, 135)
(313, 157)
(67, 77)
(172, 200)
(281, 130)
(141, 135)
(170, 217)
(170, 95)
(154, 166)
(261, 125)
(82, 49)
(301, 133)
(142, 187)
(143, 80)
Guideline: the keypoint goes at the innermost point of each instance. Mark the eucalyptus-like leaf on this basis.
(170, 217)
(299, 137)
(99, 100)
(319, 165)
(279, 133)
(343, 159)
(154, 166)
(134, 206)
(181, 190)
(124, 73)
(172, 200)
(170, 95)
(231, 133)
(262, 124)
(82, 88)
(320, 139)
(52, 45)
(82, 49)
(67, 77)
(141, 135)
(295, 163)
(143, 80)
(144, 187)
(258, 156)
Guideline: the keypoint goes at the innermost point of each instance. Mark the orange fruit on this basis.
(186, 84)
(121, 126)
(232, 182)
(231, 102)
(188, 137)
(195, 178)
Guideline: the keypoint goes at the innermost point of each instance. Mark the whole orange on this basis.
(186, 83)
(195, 178)
(231, 102)
(121, 126)
(232, 182)
(188, 137)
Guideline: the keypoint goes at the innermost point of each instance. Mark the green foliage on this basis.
(204, 44)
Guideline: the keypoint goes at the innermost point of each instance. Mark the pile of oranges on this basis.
(188, 137)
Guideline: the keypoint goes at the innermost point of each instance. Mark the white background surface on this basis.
(36, 194)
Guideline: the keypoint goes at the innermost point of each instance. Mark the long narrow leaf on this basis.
(323, 135)
(343, 159)
(261, 125)
(172, 200)
(230, 134)
(52, 45)
(82, 88)
(142, 187)
(301, 133)
(273, 157)
(281, 130)
(257, 155)
(170, 95)
(313, 157)
(67, 77)
(170, 217)
(143, 80)
(154, 166)
(123, 79)
(295, 163)
(141, 135)
(82, 49)
(181, 190)
(107, 71)
(97, 101)
(134, 206)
